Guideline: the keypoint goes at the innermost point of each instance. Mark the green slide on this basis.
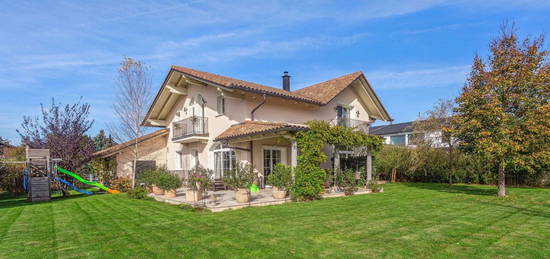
(80, 179)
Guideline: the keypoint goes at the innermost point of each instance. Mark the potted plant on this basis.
(374, 186)
(168, 183)
(281, 180)
(239, 179)
(199, 181)
(349, 181)
(154, 180)
(146, 179)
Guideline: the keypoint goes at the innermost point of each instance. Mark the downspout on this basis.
(251, 144)
(257, 107)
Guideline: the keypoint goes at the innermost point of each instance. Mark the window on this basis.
(221, 105)
(196, 158)
(224, 160)
(342, 113)
(272, 157)
(398, 140)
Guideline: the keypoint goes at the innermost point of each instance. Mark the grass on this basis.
(407, 220)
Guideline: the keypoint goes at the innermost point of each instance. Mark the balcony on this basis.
(355, 124)
(191, 129)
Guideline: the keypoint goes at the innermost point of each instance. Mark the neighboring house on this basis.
(151, 153)
(402, 134)
(216, 121)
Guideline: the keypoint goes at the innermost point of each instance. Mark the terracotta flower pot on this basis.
(242, 195)
(193, 196)
(170, 193)
(157, 190)
(278, 193)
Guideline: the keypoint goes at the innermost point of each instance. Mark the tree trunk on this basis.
(134, 169)
(501, 180)
(451, 166)
(336, 157)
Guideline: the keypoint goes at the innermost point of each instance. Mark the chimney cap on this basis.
(285, 73)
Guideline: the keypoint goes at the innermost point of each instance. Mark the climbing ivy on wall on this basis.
(309, 176)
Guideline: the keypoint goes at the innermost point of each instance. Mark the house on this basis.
(216, 121)
(151, 153)
(403, 134)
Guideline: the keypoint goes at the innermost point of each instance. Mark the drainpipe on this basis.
(257, 107)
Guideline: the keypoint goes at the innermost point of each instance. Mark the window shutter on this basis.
(220, 105)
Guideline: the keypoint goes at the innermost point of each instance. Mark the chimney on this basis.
(286, 81)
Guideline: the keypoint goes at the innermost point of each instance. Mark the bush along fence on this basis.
(426, 164)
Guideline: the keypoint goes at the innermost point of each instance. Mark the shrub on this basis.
(374, 186)
(309, 177)
(349, 180)
(148, 177)
(122, 184)
(281, 177)
(242, 176)
(200, 179)
(11, 177)
(137, 193)
(168, 181)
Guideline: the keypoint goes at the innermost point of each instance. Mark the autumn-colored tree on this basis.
(503, 111)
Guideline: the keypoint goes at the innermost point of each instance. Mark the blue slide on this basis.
(71, 186)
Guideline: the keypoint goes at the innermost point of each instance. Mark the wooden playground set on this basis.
(42, 175)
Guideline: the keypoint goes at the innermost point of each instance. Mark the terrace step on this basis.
(219, 185)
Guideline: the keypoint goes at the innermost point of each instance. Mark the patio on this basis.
(225, 200)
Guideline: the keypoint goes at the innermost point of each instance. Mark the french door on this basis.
(272, 156)
(224, 160)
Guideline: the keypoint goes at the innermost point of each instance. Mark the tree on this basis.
(432, 130)
(4, 142)
(62, 129)
(503, 111)
(132, 92)
(102, 141)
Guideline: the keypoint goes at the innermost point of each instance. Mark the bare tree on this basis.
(432, 130)
(132, 92)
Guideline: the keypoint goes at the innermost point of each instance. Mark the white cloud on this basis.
(419, 78)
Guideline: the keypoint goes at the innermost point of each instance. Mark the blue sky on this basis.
(412, 52)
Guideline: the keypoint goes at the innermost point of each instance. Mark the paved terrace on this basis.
(225, 200)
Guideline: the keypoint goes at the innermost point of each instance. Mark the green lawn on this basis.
(420, 220)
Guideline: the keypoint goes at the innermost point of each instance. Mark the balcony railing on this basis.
(355, 124)
(191, 126)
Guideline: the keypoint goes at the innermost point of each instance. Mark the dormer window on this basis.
(220, 105)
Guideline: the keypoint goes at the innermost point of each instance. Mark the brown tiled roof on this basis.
(249, 128)
(244, 85)
(116, 148)
(324, 92)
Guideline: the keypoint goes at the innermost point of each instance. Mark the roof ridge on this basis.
(336, 78)
(245, 84)
(326, 91)
(228, 77)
